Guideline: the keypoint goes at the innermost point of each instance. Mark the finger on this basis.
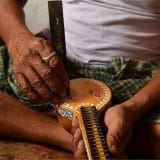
(119, 134)
(49, 77)
(126, 136)
(77, 138)
(38, 85)
(112, 144)
(42, 46)
(112, 137)
(75, 125)
(54, 62)
(58, 66)
(27, 89)
(80, 154)
(47, 49)
(37, 45)
(117, 139)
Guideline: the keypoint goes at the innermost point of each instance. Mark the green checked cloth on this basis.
(125, 77)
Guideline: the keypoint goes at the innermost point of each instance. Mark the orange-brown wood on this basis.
(66, 123)
(83, 93)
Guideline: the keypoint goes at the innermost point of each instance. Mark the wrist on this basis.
(137, 106)
(16, 41)
(12, 29)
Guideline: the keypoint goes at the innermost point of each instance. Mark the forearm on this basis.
(146, 99)
(12, 21)
(17, 120)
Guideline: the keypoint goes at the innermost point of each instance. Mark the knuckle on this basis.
(54, 87)
(48, 74)
(37, 83)
(54, 61)
(47, 44)
(25, 88)
(47, 95)
(40, 40)
(37, 43)
(33, 97)
(34, 46)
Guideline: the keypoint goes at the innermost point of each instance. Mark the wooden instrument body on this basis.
(83, 93)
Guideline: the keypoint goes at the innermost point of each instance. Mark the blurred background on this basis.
(36, 12)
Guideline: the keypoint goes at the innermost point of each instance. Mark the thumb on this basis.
(113, 141)
(117, 139)
(119, 130)
(113, 137)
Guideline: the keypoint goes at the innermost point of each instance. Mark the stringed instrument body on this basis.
(88, 99)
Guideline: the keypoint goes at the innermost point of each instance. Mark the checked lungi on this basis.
(125, 77)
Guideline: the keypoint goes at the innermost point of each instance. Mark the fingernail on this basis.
(76, 133)
(75, 136)
(79, 146)
(114, 149)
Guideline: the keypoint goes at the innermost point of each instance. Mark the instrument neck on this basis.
(95, 135)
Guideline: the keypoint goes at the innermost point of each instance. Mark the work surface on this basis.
(15, 150)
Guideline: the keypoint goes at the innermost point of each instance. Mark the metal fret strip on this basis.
(95, 134)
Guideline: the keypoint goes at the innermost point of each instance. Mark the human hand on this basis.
(119, 122)
(41, 81)
(77, 144)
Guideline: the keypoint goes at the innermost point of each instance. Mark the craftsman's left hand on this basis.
(77, 144)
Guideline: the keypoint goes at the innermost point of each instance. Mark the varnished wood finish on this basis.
(83, 93)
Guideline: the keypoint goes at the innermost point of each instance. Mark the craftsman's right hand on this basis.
(41, 81)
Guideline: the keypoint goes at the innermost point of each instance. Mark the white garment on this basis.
(97, 30)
